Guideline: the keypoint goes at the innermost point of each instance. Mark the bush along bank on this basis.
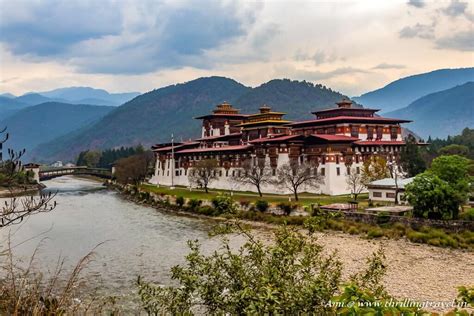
(223, 206)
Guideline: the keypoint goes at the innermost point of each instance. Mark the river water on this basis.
(137, 240)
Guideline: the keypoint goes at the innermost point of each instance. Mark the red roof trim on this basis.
(331, 137)
(222, 115)
(349, 118)
(345, 109)
(175, 147)
(214, 149)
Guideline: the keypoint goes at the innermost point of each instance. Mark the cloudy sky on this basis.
(139, 45)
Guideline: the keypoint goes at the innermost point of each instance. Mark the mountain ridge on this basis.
(153, 116)
(441, 113)
(32, 125)
(400, 93)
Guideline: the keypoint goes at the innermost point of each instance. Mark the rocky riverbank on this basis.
(20, 190)
(416, 272)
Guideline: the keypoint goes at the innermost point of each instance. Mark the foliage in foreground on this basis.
(439, 192)
(27, 291)
(290, 276)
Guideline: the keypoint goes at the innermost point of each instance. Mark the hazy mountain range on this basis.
(9, 103)
(441, 113)
(44, 122)
(402, 92)
(440, 103)
(153, 116)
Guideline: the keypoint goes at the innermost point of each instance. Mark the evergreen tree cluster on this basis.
(105, 158)
(462, 144)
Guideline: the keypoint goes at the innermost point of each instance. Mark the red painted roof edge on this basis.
(225, 148)
(355, 118)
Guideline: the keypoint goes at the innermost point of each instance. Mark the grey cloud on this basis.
(462, 41)
(418, 30)
(455, 8)
(48, 28)
(319, 57)
(416, 3)
(124, 37)
(320, 75)
(388, 66)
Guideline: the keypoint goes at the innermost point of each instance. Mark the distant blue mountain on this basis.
(8, 95)
(441, 113)
(404, 91)
(9, 106)
(94, 96)
(36, 98)
(41, 123)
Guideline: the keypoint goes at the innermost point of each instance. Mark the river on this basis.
(140, 240)
(137, 240)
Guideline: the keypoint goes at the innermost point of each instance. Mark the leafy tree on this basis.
(454, 149)
(453, 169)
(294, 175)
(223, 204)
(203, 173)
(133, 169)
(466, 138)
(432, 197)
(291, 276)
(88, 158)
(254, 174)
(411, 159)
(355, 182)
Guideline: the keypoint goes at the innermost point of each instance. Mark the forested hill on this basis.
(153, 116)
(297, 98)
(44, 122)
(442, 113)
(404, 91)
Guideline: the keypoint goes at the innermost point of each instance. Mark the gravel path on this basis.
(415, 271)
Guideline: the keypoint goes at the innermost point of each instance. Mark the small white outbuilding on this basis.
(384, 189)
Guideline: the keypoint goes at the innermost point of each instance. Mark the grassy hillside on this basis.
(442, 113)
(404, 91)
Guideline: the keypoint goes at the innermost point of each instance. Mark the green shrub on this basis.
(295, 220)
(180, 201)
(418, 237)
(261, 205)
(375, 233)
(287, 207)
(467, 215)
(353, 230)
(207, 210)
(223, 204)
(383, 218)
(194, 204)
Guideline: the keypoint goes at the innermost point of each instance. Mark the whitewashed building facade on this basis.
(337, 141)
